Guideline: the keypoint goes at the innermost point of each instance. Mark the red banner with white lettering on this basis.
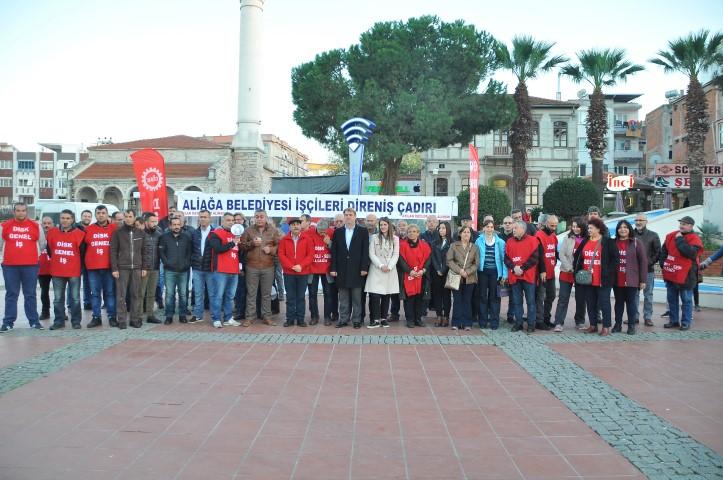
(473, 184)
(150, 169)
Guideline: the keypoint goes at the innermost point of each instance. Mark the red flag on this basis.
(150, 169)
(473, 184)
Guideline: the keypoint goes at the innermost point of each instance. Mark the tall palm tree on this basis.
(527, 59)
(691, 55)
(599, 68)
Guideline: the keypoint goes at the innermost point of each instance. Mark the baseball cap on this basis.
(294, 220)
(593, 209)
(688, 220)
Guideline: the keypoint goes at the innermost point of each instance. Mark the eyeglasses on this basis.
(641, 221)
(507, 223)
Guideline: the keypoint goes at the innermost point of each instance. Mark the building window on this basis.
(670, 154)
(27, 200)
(535, 134)
(62, 183)
(583, 169)
(26, 164)
(440, 187)
(559, 130)
(6, 164)
(500, 138)
(46, 165)
(465, 183)
(24, 182)
(532, 192)
(720, 135)
(46, 183)
(6, 182)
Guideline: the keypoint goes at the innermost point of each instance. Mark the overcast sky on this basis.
(72, 70)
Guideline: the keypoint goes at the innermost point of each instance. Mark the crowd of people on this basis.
(128, 265)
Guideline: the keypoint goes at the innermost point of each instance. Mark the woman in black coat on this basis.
(599, 254)
(441, 297)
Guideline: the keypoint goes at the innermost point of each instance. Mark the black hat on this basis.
(465, 217)
(688, 220)
(593, 209)
(294, 220)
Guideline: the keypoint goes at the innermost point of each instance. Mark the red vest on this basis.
(97, 239)
(676, 266)
(322, 255)
(21, 242)
(549, 249)
(415, 258)
(587, 257)
(44, 263)
(228, 261)
(64, 248)
(519, 252)
(300, 254)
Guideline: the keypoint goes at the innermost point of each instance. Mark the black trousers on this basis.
(414, 308)
(626, 298)
(441, 297)
(377, 304)
(544, 296)
(44, 281)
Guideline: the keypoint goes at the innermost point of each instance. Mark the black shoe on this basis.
(419, 323)
(617, 328)
(671, 325)
(57, 326)
(530, 329)
(288, 324)
(314, 320)
(631, 329)
(112, 322)
(168, 321)
(182, 319)
(303, 324)
(44, 316)
(684, 328)
(136, 324)
(153, 319)
(544, 326)
(665, 314)
(122, 325)
(357, 325)
(510, 320)
(516, 328)
(340, 324)
(77, 326)
(495, 328)
(236, 316)
(160, 305)
(410, 324)
(38, 326)
(87, 306)
(195, 319)
(393, 318)
(94, 322)
(327, 321)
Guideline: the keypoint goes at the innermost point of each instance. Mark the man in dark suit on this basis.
(349, 266)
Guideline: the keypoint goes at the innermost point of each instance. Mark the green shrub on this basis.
(491, 200)
(569, 197)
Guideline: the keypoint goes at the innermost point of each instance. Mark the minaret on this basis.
(248, 149)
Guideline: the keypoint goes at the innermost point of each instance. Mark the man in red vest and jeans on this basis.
(521, 259)
(679, 261)
(97, 264)
(225, 267)
(546, 291)
(21, 241)
(66, 249)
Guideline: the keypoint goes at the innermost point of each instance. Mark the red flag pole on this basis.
(473, 184)
(150, 169)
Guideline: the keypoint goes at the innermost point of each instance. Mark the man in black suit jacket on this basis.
(349, 266)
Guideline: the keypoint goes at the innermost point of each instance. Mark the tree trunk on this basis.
(696, 127)
(520, 140)
(390, 176)
(597, 143)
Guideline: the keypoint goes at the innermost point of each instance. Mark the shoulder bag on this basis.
(455, 279)
(584, 277)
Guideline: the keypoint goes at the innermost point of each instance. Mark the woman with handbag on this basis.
(631, 275)
(578, 232)
(415, 257)
(462, 260)
(491, 272)
(595, 266)
(441, 297)
(382, 280)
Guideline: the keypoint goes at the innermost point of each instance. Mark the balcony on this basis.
(501, 151)
(628, 155)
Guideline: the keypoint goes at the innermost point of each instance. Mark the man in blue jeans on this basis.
(521, 260)
(174, 248)
(679, 261)
(201, 264)
(224, 246)
(295, 254)
(651, 242)
(97, 264)
(21, 241)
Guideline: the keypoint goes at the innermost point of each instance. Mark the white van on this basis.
(52, 209)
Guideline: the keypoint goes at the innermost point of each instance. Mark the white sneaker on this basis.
(217, 324)
(231, 323)
(558, 328)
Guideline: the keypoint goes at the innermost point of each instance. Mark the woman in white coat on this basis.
(382, 281)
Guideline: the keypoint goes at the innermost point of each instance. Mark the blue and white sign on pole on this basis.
(357, 132)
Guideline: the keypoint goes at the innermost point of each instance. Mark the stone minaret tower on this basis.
(248, 149)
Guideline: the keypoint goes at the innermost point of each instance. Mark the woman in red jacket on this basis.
(631, 275)
(415, 256)
(320, 239)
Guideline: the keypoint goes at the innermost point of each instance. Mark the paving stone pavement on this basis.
(649, 442)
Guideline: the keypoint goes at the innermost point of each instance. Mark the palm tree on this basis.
(692, 55)
(600, 68)
(528, 58)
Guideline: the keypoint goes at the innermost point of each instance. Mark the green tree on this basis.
(691, 55)
(528, 59)
(599, 68)
(491, 200)
(569, 197)
(418, 80)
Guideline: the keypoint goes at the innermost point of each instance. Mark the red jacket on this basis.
(522, 253)
(21, 242)
(97, 240)
(322, 255)
(676, 267)
(300, 254)
(549, 249)
(225, 254)
(64, 252)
